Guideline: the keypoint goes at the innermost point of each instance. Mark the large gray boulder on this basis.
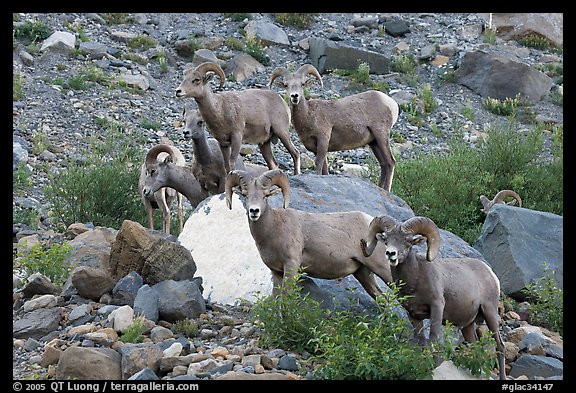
(327, 55)
(228, 261)
(496, 76)
(89, 363)
(518, 243)
(514, 25)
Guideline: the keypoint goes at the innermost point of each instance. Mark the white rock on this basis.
(173, 350)
(233, 269)
(448, 371)
(44, 301)
(121, 318)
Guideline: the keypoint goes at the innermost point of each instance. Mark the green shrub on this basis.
(133, 333)
(255, 48)
(234, 43)
(428, 99)
(547, 302)
(17, 87)
(142, 41)
(505, 107)
(115, 18)
(150, 124)
(404, 63)
(21, 181)
(352, 346)
(537, 41)
(187, 327)
(490, 36)
(299, 21)
(47, 260)
(28, 216)
(32, 32)
(288, 320)
(89, 191)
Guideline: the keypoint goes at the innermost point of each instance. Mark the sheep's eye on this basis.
(153, 172)
(196, 81)
(200, 123)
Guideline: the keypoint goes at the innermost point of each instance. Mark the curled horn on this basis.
(425, 227)
(499, 198)
(278, 178)
(310, 69)
(378, 224)
(152, 154)
(234, 178)
(280, 71)
(209, 66)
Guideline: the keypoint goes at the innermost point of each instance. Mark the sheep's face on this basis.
(193, 83)
(193, 124)
(294, 85)
(398, 245)
(255, 194)
(156, 178)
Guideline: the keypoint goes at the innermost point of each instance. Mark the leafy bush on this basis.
(288, 320)
(547, 307)
(187, 327)
(255, 48)
(505, 107)
(404, 63)
(47, 260)
(32, 32)
(17, 86)
(104, 188)
(352, 346)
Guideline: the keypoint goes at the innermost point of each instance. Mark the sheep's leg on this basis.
(381, 149)
(149, 212)
(285, 139)
(366, 278)
(180, 211)
(226, 157)
(379, 269)
(469, 333)
(277, 282)
(321, 161)
(418, 329)
(491, 317)
(266, 150)
(436, 314)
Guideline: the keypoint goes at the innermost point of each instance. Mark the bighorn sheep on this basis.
(250, 116)
(165, 173)
(499, 198)
(324, 245)
(464, 291)
(208, 164)
(347, 123)
(162, 198)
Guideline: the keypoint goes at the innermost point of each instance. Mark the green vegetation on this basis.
(115, 18)
(428, 99)
(32, 32)
(21, 179)
(142, 42)
(255, 48)
(150, 125)
(508, 159)
(49, 260)
(467, 111)
(547, 302)
(288, 319)
(17, 86)
(88, 191)
(78, 29)
(536, 41)
(490, 36)
(188, 327)
(360, 78)
(505, 107)
(299, 21)
(133, 333)
(234, 43)
(404, 63)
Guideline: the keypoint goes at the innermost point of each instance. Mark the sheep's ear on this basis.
(381, 237)
(273, 190)
(208, 77)
(418, 239)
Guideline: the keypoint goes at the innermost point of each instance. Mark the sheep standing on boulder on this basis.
(324, 245)
(347, 123)
(500, 197)
(235, 117)
(162, 198)
(464, 291)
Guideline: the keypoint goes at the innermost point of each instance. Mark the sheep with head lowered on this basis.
(323, 245)
(165, 173)
(343, 124)
(162, 198)
(256, 116)
(464, 291)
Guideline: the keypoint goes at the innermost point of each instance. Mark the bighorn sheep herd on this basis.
(463, 291)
